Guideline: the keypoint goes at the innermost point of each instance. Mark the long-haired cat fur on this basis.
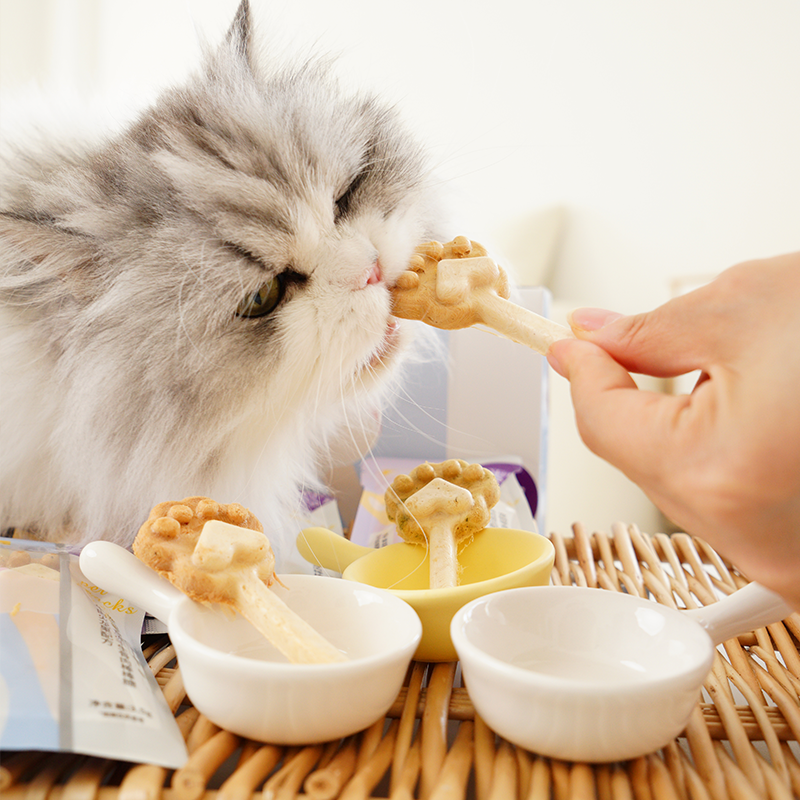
(199, 303)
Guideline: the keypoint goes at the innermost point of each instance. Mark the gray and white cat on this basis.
(198, 304)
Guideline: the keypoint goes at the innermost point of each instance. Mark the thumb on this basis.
(663, 343)
(629, 428)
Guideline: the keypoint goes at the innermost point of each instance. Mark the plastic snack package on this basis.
(320, 511)
(72, 674)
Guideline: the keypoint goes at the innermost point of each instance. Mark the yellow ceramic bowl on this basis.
(495, 559)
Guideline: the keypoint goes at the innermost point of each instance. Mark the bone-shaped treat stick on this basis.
(444, 505)
(456, 285)
(218, 554)
(439, 506)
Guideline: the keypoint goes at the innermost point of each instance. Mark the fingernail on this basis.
(592, 319)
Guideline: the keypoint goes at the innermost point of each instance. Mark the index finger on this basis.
(632, 429)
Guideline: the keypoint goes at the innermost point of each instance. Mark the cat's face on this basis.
(273, 217)
(217, 276)
(256, 225)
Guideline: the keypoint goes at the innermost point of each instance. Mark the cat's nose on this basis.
(372, 275)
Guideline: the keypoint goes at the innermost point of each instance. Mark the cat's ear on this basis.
(240, 34)
(44, 255)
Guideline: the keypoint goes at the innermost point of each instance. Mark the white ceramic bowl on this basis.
(592, 675)
(243, 684)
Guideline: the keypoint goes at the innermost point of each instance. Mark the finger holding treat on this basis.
(442, 505)
(218, 554)
(456, 285)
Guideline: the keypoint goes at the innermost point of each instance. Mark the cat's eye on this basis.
(343, 203)
(264, 300)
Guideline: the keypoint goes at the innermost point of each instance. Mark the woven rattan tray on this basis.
(741, 742)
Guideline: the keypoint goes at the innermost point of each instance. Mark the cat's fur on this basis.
(126, 377)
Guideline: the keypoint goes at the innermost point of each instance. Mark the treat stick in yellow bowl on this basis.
(442, 505)
(438, 507)
(495, 559)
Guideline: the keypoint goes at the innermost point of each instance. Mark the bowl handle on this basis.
(753, 606)
(327, 549)
(117, 570)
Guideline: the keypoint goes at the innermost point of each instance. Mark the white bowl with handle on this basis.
(242, 683)
(593, 675)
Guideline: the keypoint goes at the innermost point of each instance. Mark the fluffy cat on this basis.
(198, 304)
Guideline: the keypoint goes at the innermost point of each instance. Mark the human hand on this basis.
(724, 461)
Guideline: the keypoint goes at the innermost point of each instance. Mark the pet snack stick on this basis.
(218, 554)
(456, 285)
(443, 504)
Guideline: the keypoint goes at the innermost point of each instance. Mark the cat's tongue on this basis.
(374, 274)
(370, 276)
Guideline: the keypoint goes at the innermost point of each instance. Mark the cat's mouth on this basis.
(388, 347)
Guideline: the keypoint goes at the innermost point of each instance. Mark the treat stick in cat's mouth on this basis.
(442, 504)
(232, 565)
(456, 285)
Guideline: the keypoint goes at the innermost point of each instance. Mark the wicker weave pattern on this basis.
(742, 741)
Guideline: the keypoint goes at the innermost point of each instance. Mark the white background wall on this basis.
(668, 132)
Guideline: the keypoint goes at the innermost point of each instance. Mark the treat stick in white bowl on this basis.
(231, 554)
(234, 566)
